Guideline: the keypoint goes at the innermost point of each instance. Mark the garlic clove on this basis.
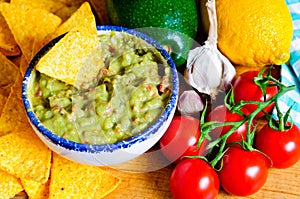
(189, 103)
(208, 70)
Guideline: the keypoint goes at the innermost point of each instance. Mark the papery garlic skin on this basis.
(207, 70)
(189, 103)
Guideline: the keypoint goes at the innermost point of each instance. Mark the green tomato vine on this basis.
(219, 145)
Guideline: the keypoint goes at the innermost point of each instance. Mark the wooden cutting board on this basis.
(138, 183)
(281, 184)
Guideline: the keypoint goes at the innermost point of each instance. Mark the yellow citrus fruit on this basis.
(254, 32)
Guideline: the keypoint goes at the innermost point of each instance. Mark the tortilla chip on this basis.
(75, 59)
(84, 12)
(70, 2)
(76, 20)
(60, 8)
(74, 180)
(52, 6)
(14, 51)
(24, 155)
(70, 7)
(36, 190)
(49, 5)
(23, 65)
(63, 9)
(9, 185)
(9, 71)
(28, 24)
(3, 99)
(8, 45)
(8, 74)
(4, 93)
(13, 115)
(16, 60)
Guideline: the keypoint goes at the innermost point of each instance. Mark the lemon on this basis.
(253, 32)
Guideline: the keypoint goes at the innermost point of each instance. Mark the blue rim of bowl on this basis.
(96, 148)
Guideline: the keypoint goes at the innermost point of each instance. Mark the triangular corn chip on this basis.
(23, 64)
(36, 190)
(73, 180)
(9, 185)
(10, 102)
(10, 51)
(49, 5)
(68, 9)
(75, 59)
(9, 71)
(24, 155)
(3, 99)
(8, 45)
(60, 8)
(83, 12)
(28, 24)
(16, 60)
(13, 115)
(63, 9)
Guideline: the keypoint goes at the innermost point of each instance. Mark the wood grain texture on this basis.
(281, 184)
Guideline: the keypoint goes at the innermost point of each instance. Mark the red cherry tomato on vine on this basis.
(222, 114)
(181, 139)
(243, 172)
(283, 148)
(245, 89)
(194, 178)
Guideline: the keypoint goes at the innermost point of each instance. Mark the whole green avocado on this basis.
(173, 23)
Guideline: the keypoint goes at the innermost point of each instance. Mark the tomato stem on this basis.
(207, 127)
(280, 117)
(283, 123)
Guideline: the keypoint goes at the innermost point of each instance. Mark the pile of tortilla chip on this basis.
(27, 166)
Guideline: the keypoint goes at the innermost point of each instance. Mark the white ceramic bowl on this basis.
(106, 154)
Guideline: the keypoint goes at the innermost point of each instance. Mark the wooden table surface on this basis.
(281, 184)
(136, 182)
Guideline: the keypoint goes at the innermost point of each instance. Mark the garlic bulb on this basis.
(189, 103)
(208, 70)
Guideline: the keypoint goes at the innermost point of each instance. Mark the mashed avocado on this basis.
(132, 91)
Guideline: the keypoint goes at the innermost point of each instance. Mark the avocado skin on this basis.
(177, 20)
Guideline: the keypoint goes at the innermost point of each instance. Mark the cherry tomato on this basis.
(283, 148)
(222, 114)
(243, 172)
(194, 178)
(245, 89)
(181, 139)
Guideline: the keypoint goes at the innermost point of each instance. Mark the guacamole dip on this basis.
(131, 92)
